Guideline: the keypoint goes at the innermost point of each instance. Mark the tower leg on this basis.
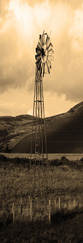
(39, 143)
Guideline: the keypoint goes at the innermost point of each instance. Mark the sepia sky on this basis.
(21, 22)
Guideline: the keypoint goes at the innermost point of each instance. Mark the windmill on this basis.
(43, 57)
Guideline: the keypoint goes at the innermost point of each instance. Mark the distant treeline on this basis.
(56, 162)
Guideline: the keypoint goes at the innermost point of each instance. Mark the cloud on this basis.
(68, 70)
(15, 101)
(74, 4)
(15, 57)
(21, 23)
(33, 2)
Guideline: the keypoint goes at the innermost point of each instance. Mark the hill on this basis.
(64, 132)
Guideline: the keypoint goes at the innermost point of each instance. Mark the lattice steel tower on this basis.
(44, 56)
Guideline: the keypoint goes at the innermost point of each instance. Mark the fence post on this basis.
(13, 213)
(59, 204)
(30, 209)
(49, 211)
(55, 205)
(21, 205)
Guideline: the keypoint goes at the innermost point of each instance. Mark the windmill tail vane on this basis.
(43, 58)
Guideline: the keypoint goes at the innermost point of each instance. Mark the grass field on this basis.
(21, 180)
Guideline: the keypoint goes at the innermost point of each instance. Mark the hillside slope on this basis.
(64, 132)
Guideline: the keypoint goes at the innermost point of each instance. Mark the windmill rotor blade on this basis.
(51, 50)
(50, 54)
(50, 57)
(38, 63)
(42, 39)
(48, 68)
(49, 64)
(39, 45)
(39, 66)
(47, 47)
(49, 61)
(41, 42)
(50, 44)
(38, 49)
(39, 60)
(43, 68)
(37, 55)
(47, 39)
